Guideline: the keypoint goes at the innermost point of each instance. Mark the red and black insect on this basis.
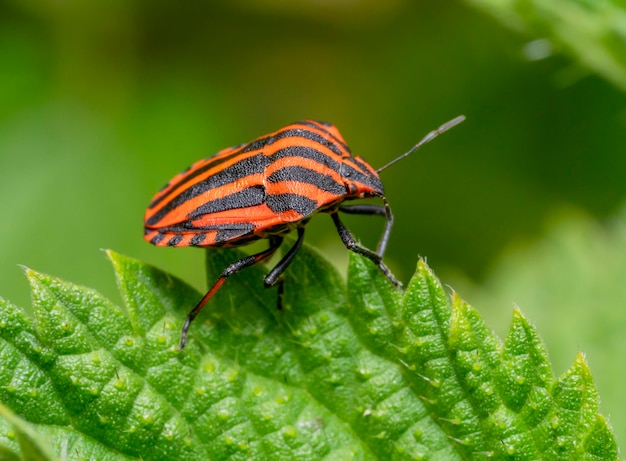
(266, 189)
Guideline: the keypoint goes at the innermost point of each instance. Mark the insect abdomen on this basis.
(246, 193)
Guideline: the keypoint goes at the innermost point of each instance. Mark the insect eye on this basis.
(352, 189)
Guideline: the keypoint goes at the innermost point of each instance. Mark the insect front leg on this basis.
(374, 210)
(350, 243)
(365, 208)
(232, 269)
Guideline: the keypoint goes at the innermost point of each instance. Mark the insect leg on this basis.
(382, 245)
(375, 210)
(272, 278)
(232, 269)
(350, 243)
(368, 209)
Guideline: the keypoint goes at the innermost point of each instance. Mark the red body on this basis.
(266, 187)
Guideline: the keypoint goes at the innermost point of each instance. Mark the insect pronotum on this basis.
(266, 189)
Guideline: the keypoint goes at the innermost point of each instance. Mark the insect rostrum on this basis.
(264, 190)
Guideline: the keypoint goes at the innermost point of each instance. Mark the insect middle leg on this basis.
(274, 276)
(350, 243)
(232, 269)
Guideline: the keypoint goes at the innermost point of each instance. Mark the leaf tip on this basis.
(24, 268)
(112, 255)
(423, 270)
(30, 274)
(580, 363)
(422, 264)
(518, 317)
(34, 277)
(118, 260)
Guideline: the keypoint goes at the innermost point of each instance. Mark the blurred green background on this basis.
(101, 103)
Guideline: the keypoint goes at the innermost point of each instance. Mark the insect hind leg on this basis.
(231, 269)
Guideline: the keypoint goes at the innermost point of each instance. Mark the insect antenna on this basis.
(429, 137)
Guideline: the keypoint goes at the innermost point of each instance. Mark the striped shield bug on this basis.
(266, 189)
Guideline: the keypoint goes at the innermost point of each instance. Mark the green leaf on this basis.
(20, 436)
(592, 31)
(571, 282)
(356, 371)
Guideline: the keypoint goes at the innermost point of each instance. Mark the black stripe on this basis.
(195, 173)
(187, 227)
(260, 143)
(197, 239)
(279, 203)
(301, 174)
(251, 165)
(225, 233)
(174, 240)
(182, 180)
(308, 153)
(356, 176)
(293, 133)
(316, 124)
(248, 197)
(257, 145)
(232, 231)
(360, 164)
